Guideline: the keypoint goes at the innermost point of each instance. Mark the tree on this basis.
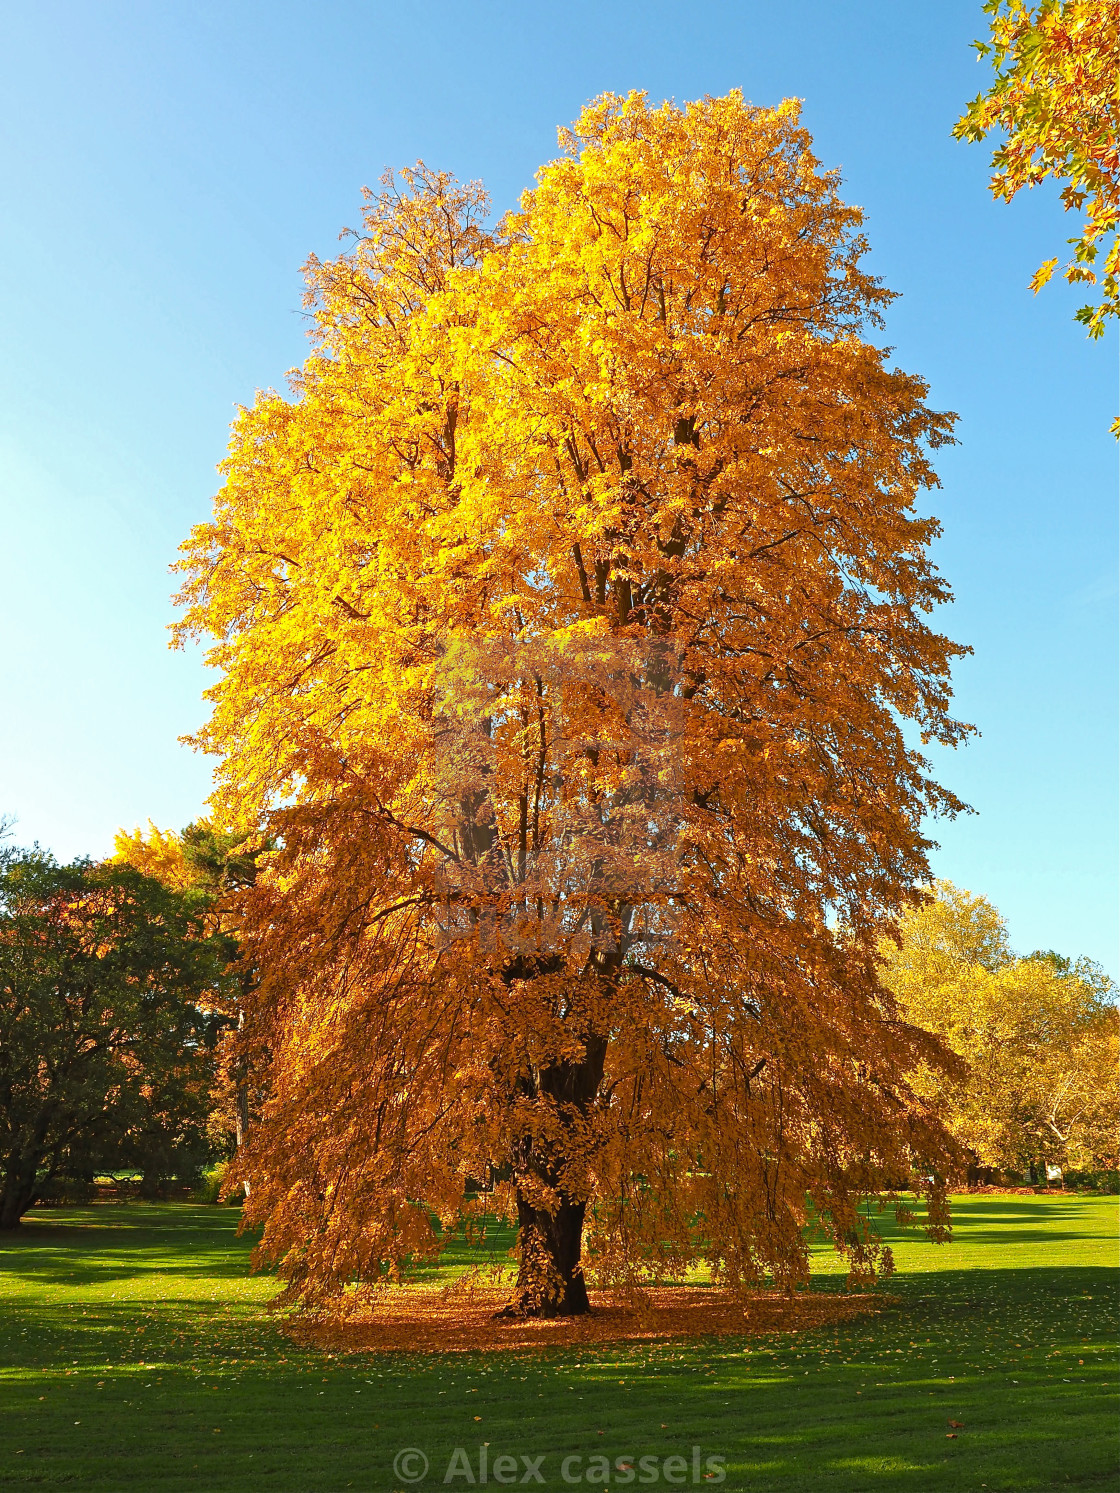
(1038, 1037)
(207, 865)
(101, 1033)
(568, 617)
(161, 1127)
(1056, 96)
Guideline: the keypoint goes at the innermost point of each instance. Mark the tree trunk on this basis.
(11, 1209)
(16, 1196)
(549, 1276)
(550, 1279)
(242, 1112)
(152, 1187)
(242, 1107)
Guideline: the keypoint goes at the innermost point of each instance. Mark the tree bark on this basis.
(242, 1071)
(550, 1279)
(152, 1187)
(17, 1194)
(11, 1210)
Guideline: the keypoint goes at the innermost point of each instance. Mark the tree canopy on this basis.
(1038, 1037)
(570, 616)
(207, 866)
(1056, 97)
(105, 977)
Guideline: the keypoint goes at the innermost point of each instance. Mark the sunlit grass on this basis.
(136, 1353)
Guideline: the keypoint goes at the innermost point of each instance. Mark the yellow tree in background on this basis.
(1038, 1036)
(157, 853)
(567, 619)
(1056, 97)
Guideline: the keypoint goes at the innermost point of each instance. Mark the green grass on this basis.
(136, 1354)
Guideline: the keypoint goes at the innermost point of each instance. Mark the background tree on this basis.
(567, 618)
(1056, 97)
(1038, 1035)
(102, 1038)
(163, 1130)
(208, 865)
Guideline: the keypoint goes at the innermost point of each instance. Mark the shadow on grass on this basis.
(988, 1220)
(141, 1360)
(115, 1242)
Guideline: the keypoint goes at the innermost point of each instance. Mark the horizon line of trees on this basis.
(121, 996)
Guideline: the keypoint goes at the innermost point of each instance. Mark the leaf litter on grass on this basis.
(418, 1320)
(872, 1412)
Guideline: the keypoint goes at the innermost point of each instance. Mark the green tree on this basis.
(106, 978)
(209, 865)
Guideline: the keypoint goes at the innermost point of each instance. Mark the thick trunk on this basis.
(20, 1182)
(152, 1186)
(12, 1209)
(16, 1195)
(550, 1279)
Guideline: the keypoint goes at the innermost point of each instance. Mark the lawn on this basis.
(136, 1354)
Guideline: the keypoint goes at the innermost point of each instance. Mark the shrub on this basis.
(1107, 1181)
(210, 1183)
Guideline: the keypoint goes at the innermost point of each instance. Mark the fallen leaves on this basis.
(424, 1320)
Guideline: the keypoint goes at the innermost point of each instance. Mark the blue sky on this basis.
(167, 168)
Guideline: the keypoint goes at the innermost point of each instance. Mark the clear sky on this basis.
(168, 167)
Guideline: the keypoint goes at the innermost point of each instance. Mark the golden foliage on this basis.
(1056, 96)
(1039, 1039)
(568, 617)
(206, 865)
(159, 854)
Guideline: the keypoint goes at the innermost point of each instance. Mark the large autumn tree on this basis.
(571, 620)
